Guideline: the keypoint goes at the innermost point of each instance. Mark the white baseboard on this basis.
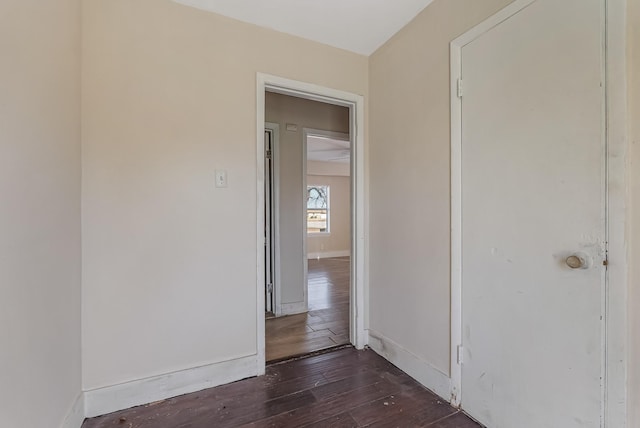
(328, 254)
(293, 308)
(123, 396)
(75, 417)
(413, 365)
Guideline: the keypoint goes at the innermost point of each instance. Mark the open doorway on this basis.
(357, 285)
(328, 234)
(307, 280)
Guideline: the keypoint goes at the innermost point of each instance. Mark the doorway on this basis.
(327, 175)
(529, 216)
(355, 270)
(313, 224)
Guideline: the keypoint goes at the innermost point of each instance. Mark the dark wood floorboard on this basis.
(343, 388)
(325, 325)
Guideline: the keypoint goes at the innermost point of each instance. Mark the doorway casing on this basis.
(355, 103)
(274, 130)
(615, 300)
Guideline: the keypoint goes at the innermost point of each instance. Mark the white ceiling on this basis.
(324, 149)
(359, 26)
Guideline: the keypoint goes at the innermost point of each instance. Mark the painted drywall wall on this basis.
(40, 213)
(633, 62)
(340, 169)
(338, 241)
(169, 95)
(283, 109)
(409, 181)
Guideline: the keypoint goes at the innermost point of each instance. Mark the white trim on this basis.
(616, 400)
(355, 103)
(617, 189)
(260, 267)
(604, 215)
(359, 241)
(109, 399)
(410, 363)
(75, 417)
(305, 265)
(322, 133)
(275, 157)
(293, 308)
(319, 234)
(328, 254)
(456, 226)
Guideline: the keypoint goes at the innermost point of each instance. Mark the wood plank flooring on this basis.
(344, 388)
(325, 325)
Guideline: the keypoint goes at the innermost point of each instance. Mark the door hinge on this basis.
(270, 288)
(268, 154)
(460, 88)
(460, 350)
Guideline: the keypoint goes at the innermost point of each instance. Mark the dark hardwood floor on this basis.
(326, 324)
(344, 388)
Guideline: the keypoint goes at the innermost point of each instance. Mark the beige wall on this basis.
(409, 155)
(340, 169)
(169, 97)
(39, 212)
(338, 240)
(634, 180)
(409, 132)
(284, 109)
(169, 260)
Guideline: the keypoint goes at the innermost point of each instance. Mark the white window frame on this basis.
(328, 228)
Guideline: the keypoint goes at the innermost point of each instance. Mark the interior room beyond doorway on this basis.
(312, 221)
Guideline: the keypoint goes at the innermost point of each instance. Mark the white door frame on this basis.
(615, 290)
(355, 103)
(275, 159)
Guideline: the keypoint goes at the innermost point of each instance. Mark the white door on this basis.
(533, 204)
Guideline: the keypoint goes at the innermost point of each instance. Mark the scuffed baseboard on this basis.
(293, 308)
(109, 399)
(413, 365)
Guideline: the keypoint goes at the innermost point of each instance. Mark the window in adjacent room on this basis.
(317, 209)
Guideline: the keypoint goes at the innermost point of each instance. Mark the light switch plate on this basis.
(221, 178)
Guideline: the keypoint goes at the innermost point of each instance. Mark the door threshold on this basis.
(309, 354)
